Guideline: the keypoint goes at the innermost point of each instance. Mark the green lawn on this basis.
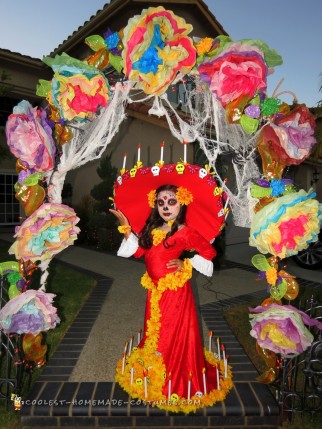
(72, 289)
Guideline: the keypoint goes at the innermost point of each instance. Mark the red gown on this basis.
(170, 368)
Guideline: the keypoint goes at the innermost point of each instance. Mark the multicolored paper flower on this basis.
(156, 48)
(294, 136)
(48, 231)
(77, 89)
(280, 328)
(286, 225)
(29, 137)
(30, 312)
(239, 70)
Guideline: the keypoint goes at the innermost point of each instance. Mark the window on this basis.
(9, 205)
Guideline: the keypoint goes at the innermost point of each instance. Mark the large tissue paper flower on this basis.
(280, 328)
(29, 137)
(30, 312)
(294, 136)
(48, 231)
(286, 225)
(239, 70)
(77, 89)
(156, 48)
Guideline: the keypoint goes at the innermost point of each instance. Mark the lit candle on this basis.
(169, 386)
(139, 336)
(124, 161)
(139, 152)
(132, 375)
(204, 381)
(161, 155)
(210, 338)
(145, 373)
(130, 346)
(189, 385)
(125, 346)
(123, 363)
(223, 352)
(184, 151)
(226, 366)
(218, 380)
(218, 348)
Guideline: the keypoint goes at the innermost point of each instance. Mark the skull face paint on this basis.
(168, 205)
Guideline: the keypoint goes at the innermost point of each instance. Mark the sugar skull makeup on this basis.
(168, 205)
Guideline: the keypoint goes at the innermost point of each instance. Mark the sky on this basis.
(292, 27)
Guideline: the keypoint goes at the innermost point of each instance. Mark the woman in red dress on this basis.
(169, 368)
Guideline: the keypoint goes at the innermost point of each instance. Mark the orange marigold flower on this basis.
(152, 196)
(204, 45)
(184, 196)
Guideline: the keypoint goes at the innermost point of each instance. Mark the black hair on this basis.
(155, 221)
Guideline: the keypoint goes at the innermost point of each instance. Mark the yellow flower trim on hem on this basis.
(143, 362)
(171, 281)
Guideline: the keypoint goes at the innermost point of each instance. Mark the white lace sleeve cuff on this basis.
(202, 265)
(128, 247)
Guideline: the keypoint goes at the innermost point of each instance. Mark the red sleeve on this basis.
(197, 242)
(139, 253)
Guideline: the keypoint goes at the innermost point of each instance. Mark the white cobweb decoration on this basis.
(89, 142)
(205, 122)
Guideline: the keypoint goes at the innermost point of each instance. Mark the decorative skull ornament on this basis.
(180, 168)
(202, 173)
(155, 170)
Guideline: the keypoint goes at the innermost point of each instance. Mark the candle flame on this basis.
(190, 375)
(222, 347)
(162, 144)
(145, 372)
(203, 370)
(210, 334)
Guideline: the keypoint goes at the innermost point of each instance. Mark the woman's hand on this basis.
(120, 216)
(175, 263)
(123, 221)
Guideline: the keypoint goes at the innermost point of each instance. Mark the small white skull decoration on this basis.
(180, 168)
(155, 170)
(199, 394)
(202, 173)
(119, 180)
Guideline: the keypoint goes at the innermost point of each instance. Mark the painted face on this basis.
(168, 205)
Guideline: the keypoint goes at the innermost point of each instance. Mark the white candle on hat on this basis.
(139, 152)
(161, 155)
(124, 161)
(184, 151)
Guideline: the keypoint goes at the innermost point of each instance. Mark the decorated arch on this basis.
(229, 109)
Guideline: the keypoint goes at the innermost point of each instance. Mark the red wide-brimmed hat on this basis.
(205, 213)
